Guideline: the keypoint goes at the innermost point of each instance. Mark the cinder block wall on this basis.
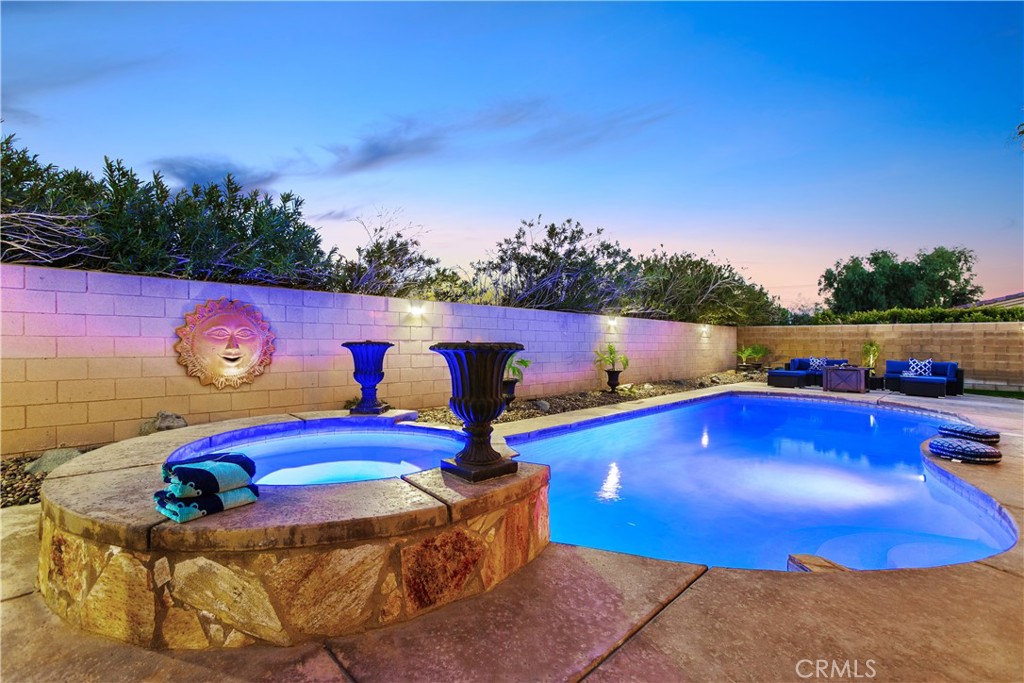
(87, 356)
(992, 354)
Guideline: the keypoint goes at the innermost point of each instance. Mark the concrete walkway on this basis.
(576, 612)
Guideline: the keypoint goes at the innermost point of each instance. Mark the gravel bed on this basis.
(523, 409)
(18, 487)
(21, 488)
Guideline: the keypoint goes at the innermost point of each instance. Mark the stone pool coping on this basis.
(106, 496)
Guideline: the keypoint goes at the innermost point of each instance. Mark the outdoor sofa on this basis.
(945, 379)
(798, 373)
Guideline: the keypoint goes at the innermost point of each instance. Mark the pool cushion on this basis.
(962, 431)
(962, 449)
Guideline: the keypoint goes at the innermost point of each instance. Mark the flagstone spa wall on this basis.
(86, 357)
(992, 354)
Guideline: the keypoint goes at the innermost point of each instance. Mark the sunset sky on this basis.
(780, 136)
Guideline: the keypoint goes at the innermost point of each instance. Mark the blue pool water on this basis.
(287, 457)
(746, 481)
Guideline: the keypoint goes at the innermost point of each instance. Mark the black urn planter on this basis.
(369, 359)
(477, 369)
(508, 390)
(613, 379)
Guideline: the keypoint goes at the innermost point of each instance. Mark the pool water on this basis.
(747, 481)
(345, 456)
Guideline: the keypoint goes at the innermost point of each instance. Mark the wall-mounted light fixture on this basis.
(613, 323)
(416, 311)
(704, 331)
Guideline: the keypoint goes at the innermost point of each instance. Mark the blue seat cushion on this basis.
(927, 380)
(962, 431)
(789, 373)
(947, 370)
(895, 368)
(962, 449)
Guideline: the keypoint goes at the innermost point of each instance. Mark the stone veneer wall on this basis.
(283, 596)
(86, 357)
(992, 354)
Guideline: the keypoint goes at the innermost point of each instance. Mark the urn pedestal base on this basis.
(475, 473)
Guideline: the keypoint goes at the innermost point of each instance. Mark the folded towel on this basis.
(206, 474)
(187, 509)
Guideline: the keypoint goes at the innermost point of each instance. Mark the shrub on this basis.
(981, 314)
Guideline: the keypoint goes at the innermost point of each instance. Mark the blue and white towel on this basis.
(187, 509)
(207, 474)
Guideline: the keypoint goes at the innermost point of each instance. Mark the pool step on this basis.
(813, 563)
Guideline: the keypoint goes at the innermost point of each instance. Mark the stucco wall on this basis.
(992, 354)
(87, 356)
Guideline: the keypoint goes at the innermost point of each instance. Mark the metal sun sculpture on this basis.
(225, 343)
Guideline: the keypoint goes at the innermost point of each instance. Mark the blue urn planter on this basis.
(369, 359)
(477, 369)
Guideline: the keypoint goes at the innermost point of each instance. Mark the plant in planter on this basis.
(869, 354)
(513, 375)
(612, 359)
(751, 355)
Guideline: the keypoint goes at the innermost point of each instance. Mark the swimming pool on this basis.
(745, 481)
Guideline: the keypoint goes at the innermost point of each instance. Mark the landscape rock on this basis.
(162, 422)
(51, 460)
(715, 379)
(542, 405)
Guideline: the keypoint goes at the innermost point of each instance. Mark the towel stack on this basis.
(210, 483)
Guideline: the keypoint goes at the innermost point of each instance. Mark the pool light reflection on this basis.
(611, 486)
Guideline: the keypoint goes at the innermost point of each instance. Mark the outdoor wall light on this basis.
(416, 311)
(612, 323)
(705, 331)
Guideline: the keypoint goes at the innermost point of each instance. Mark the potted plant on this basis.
(513, 375)
(869, 354)
(611, 358)
(748, 353)
(757, 352)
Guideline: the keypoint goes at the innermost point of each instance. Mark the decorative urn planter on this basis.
(369, 358)
(508, 390)
(613, 379)
(477, 369)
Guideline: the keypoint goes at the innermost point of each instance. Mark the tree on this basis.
(391, 263)
(121, 223)
(688, 288)
(943, 277)
(558, 267)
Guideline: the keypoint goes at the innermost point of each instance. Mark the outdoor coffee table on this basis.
(850, 379)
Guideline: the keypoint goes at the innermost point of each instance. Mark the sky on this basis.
(781, 137)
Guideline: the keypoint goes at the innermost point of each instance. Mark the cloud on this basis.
(33, 77)
(530, 124)
(337, 215)
(574, 133)
(189, 170)
(407, 140)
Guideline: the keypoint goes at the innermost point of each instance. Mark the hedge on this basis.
(907, 316)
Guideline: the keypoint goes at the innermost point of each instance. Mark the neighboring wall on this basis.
(992, 354)
(87, 356)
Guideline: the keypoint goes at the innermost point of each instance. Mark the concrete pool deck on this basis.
(575, 612)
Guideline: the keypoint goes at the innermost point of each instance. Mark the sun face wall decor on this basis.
(225, 343)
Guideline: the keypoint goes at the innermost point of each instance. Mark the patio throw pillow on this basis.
(921, 368)
(817, 363)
